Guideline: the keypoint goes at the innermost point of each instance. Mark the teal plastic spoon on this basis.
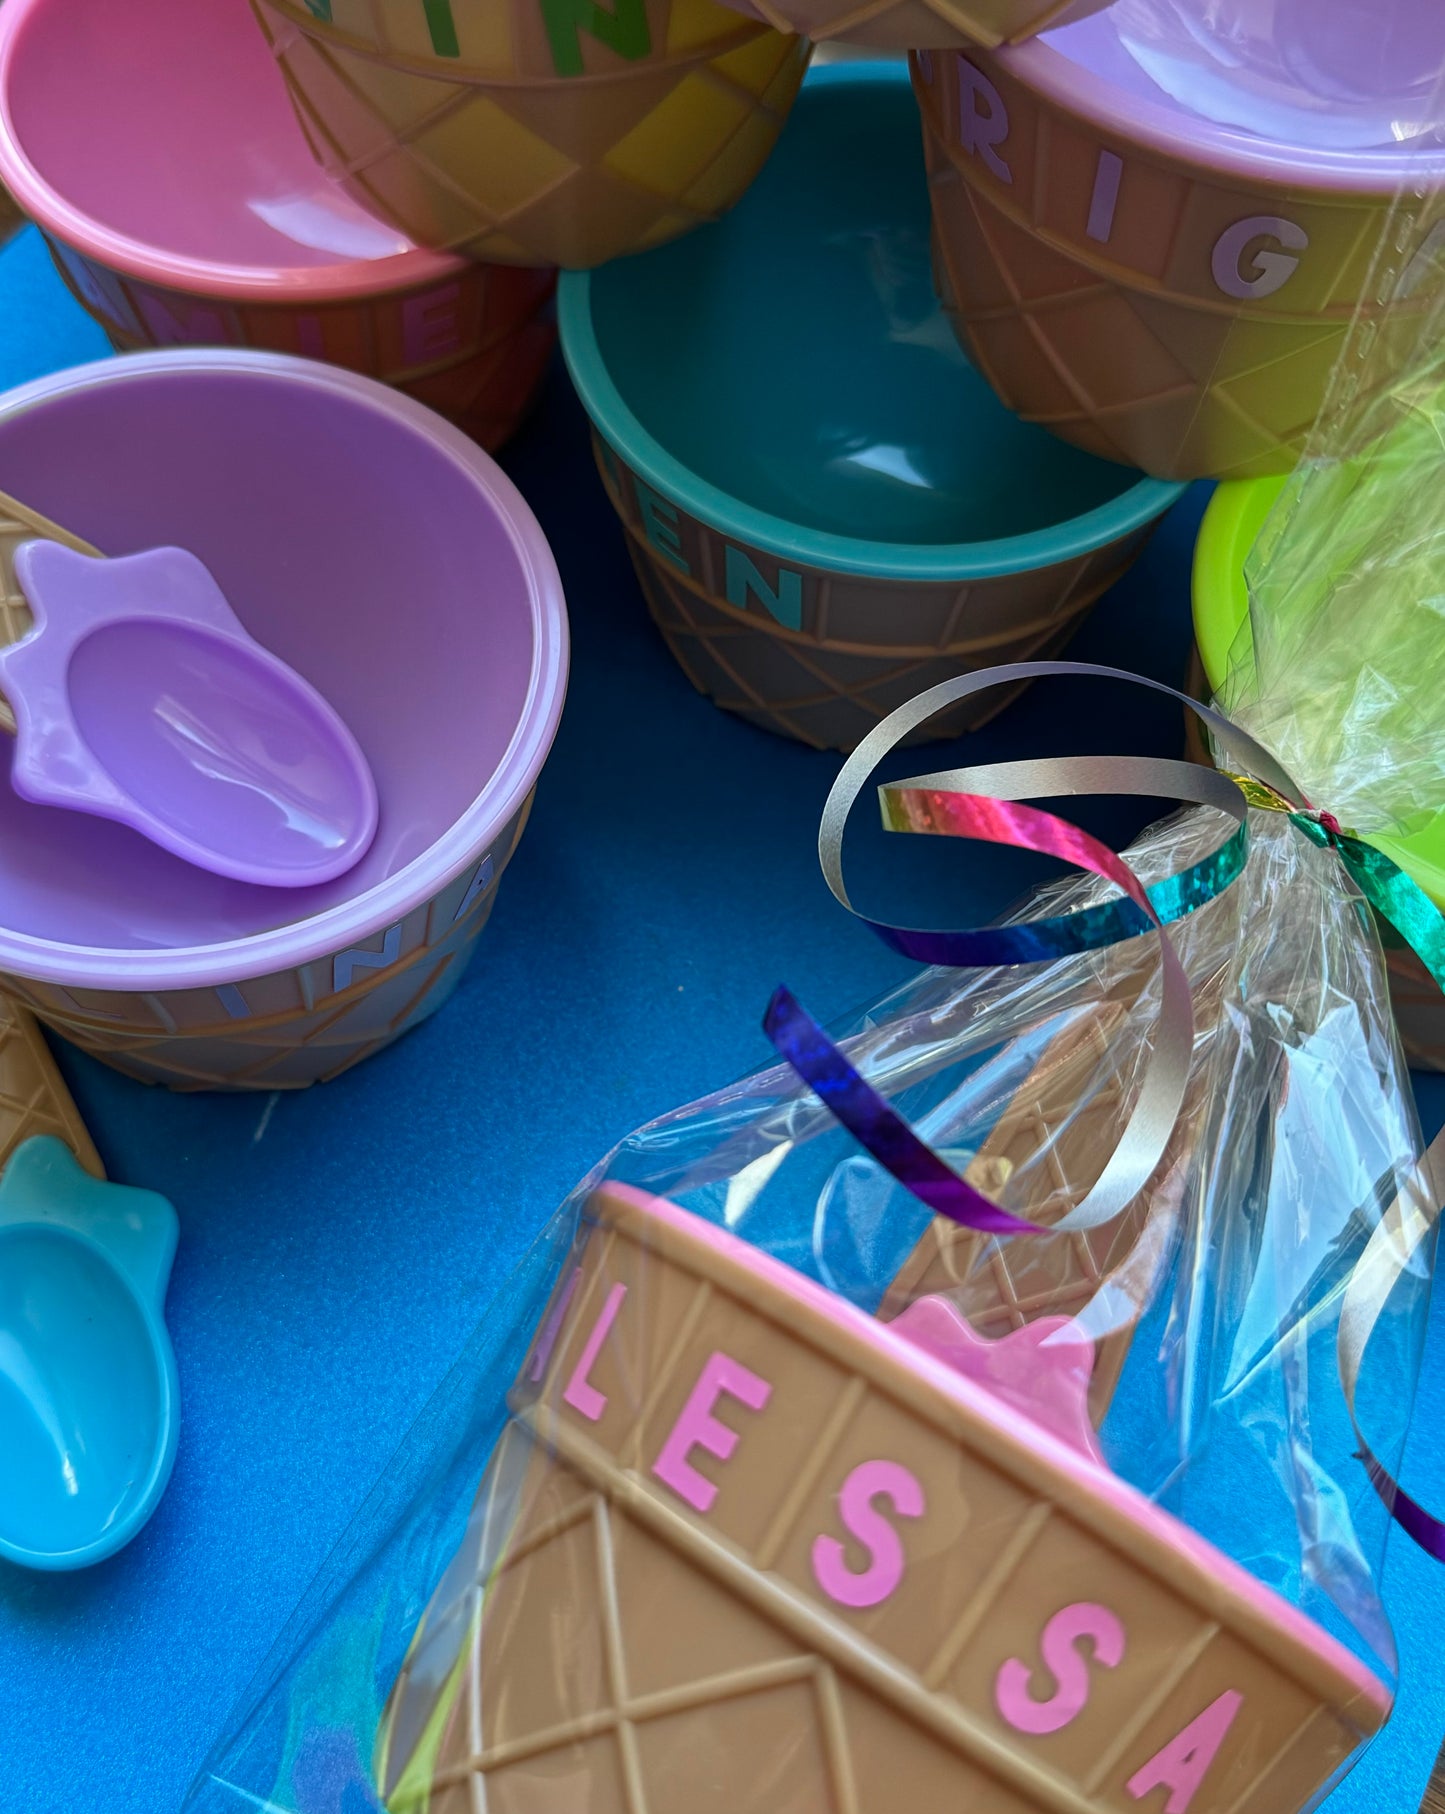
(88, 1392)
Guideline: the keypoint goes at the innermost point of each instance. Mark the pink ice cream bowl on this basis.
(182, 205)
(345, 524)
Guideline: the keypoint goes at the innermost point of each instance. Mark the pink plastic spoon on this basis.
(138, 696)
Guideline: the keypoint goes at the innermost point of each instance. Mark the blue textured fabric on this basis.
(338, 1246)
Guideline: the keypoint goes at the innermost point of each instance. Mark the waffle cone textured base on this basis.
(663, 1629)
(12, 219)
(1419, 1007)
(295, 1027)
(474, 348)
(900, 25)
(33, 1096)
(1141, 309)
(567, 170)
(1001, 1286)
(823, 657)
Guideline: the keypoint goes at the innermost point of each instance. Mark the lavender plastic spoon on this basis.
(138, 696)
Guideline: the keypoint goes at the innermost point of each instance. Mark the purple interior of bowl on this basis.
(1086, 68)
(359, 538)
(168, 124)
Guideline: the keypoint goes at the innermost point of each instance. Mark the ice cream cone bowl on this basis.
(747, 429)
(34, 1102)
(351, 521)
(578, 143)
(1055, 1136)
(900, 25)
(742, 1546)
(1232, 524)
(1146, 285)
(194, 214)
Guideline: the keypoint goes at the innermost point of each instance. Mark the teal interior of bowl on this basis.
(795, 358)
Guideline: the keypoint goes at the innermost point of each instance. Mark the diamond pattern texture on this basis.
(600, 1644)
(1127, 345)
(294, 1027)
(474, 348)
(1053, 1141)
(547, 172)
(33, 1099)
(862, 646)
(899, 25)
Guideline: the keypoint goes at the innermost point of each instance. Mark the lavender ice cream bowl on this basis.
(386, 558)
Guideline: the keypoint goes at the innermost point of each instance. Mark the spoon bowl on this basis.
(140, 697)
(88, 1390)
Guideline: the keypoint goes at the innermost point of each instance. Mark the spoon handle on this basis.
(18, 523)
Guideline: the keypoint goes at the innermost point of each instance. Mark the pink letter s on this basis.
(869, 1481)
(1059, 1645)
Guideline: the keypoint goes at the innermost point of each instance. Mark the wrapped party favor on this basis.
(992, 1403)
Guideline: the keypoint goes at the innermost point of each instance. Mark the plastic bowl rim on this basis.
(347, 280)
(1133, 509)
(1192, 140)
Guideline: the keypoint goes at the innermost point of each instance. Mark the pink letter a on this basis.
(1181, 1765)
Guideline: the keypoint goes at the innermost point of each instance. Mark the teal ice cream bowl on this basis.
(827, 506)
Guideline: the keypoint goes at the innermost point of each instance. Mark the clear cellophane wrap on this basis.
(507, 1620)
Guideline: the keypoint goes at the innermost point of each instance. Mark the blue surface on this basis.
(338, 1246)
(787, 375)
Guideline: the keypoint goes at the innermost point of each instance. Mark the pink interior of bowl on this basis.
(161, 131)
(370, 546)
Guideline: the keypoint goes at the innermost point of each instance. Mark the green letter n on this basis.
(624, 31)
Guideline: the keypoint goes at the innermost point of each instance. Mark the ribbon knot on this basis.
(984, 803)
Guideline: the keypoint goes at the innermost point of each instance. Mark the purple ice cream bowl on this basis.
(389, 561)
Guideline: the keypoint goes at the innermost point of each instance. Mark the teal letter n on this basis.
(786, 604)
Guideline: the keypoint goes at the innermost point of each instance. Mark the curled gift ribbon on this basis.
(986, 803)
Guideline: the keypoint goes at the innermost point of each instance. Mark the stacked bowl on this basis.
(1142, 273)
(182, 206)
(170, 163)
(551, 133)
(828, 508)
